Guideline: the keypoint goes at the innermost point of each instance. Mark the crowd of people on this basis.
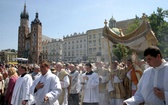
(99, 83)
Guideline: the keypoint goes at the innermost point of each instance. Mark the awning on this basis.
(12, 63)
(20, 59)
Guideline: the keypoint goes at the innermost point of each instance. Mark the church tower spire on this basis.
(23, 33)
(24, 14)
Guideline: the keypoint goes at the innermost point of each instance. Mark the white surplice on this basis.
(152, 77)
(91, 88)
(52, 89)
(21, 90)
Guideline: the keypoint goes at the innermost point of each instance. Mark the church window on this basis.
(27, 46)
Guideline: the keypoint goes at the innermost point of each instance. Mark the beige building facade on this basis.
(75, 48)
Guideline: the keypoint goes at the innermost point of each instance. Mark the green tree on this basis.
(120, 51)
(160, 26)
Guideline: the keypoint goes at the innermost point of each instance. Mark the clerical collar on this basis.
(89, 73)
(72, 71)
(23, 74)
(48, 72)
(162, 65)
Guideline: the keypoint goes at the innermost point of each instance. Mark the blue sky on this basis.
(64, 17)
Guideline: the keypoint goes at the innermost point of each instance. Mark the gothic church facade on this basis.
(29, 39)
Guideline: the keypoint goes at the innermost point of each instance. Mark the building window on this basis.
(90, 50)
(99, 49)
(90, 36)
(69, 54)
(94, 50)
(94, 42)
(72, 53)
(94, 36)
(100, 35)
(90, 43)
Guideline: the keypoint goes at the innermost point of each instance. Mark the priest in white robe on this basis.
(21, 90)
(91, 88)
(46, 88)
(153, 85)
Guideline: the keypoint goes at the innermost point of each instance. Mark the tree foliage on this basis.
(160, 28)
(158, 25)
(120, 51)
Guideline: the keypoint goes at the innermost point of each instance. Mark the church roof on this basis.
(36, 20)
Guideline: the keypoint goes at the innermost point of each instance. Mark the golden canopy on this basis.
(138, 40)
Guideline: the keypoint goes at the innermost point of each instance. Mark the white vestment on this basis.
(21, 90)
(91, 88)
(52, 89)
(152, 77)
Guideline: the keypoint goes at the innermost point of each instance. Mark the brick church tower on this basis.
(29, 39)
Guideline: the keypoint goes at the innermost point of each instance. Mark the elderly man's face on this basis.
(58, 67)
